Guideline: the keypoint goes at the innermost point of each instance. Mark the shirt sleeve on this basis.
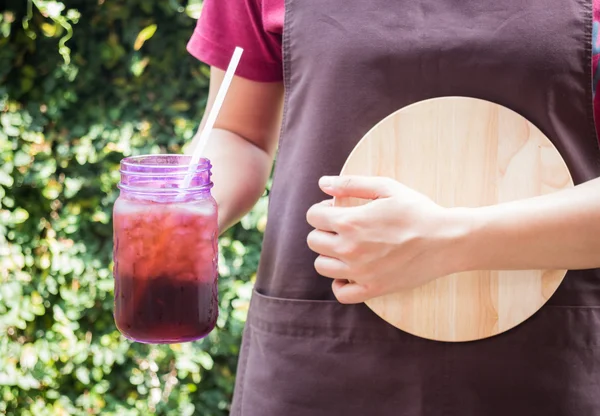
(225, 24)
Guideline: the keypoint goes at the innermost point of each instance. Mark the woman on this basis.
(310, 346)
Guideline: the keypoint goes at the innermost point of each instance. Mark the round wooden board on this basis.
(463, 152)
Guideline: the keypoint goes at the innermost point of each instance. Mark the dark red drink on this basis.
(165, 257)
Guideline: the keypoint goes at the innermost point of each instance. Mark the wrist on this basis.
(463, 247)
(491, 238)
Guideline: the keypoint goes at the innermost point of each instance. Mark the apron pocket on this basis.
(312, 358)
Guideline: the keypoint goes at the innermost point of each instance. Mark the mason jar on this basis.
(165, 250)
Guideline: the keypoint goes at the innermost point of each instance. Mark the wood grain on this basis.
(463, 152)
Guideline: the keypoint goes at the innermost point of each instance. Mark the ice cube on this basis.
(127, 207)
(205, 209)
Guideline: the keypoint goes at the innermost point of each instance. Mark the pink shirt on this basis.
(257, 26)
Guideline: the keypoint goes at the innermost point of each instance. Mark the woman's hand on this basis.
(400, 239)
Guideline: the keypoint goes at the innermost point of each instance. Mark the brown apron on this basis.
(348, 64)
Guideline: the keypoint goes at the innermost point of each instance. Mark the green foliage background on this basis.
(84, 83)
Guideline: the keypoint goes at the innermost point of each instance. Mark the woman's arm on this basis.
(555, 231)
(242, 146)
(401, 239)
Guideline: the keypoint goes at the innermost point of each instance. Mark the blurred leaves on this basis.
(82, 85)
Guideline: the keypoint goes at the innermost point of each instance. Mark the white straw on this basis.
(212, 115)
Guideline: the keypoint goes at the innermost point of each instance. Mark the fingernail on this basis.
(326, 182)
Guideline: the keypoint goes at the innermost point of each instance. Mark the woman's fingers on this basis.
(323, 215)
(322, 242)
(330, 267)
(348, 293)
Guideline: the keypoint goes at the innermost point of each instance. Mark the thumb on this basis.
(363, 187)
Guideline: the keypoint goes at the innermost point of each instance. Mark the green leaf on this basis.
(21, 159)
(180, 106)
(194, 9)
(6, 179)
(138, 66)
(27, 382)
(83, 375)
(19, 216)
(205, 360)
(11, 130)
(144, 35)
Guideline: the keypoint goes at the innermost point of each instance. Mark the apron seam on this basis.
(416, 340)
(287, 70)
(244, 352)
(589, 69)
(362, 340)
(287, 79)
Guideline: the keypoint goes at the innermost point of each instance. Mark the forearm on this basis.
(240, 172)
(555, 231)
